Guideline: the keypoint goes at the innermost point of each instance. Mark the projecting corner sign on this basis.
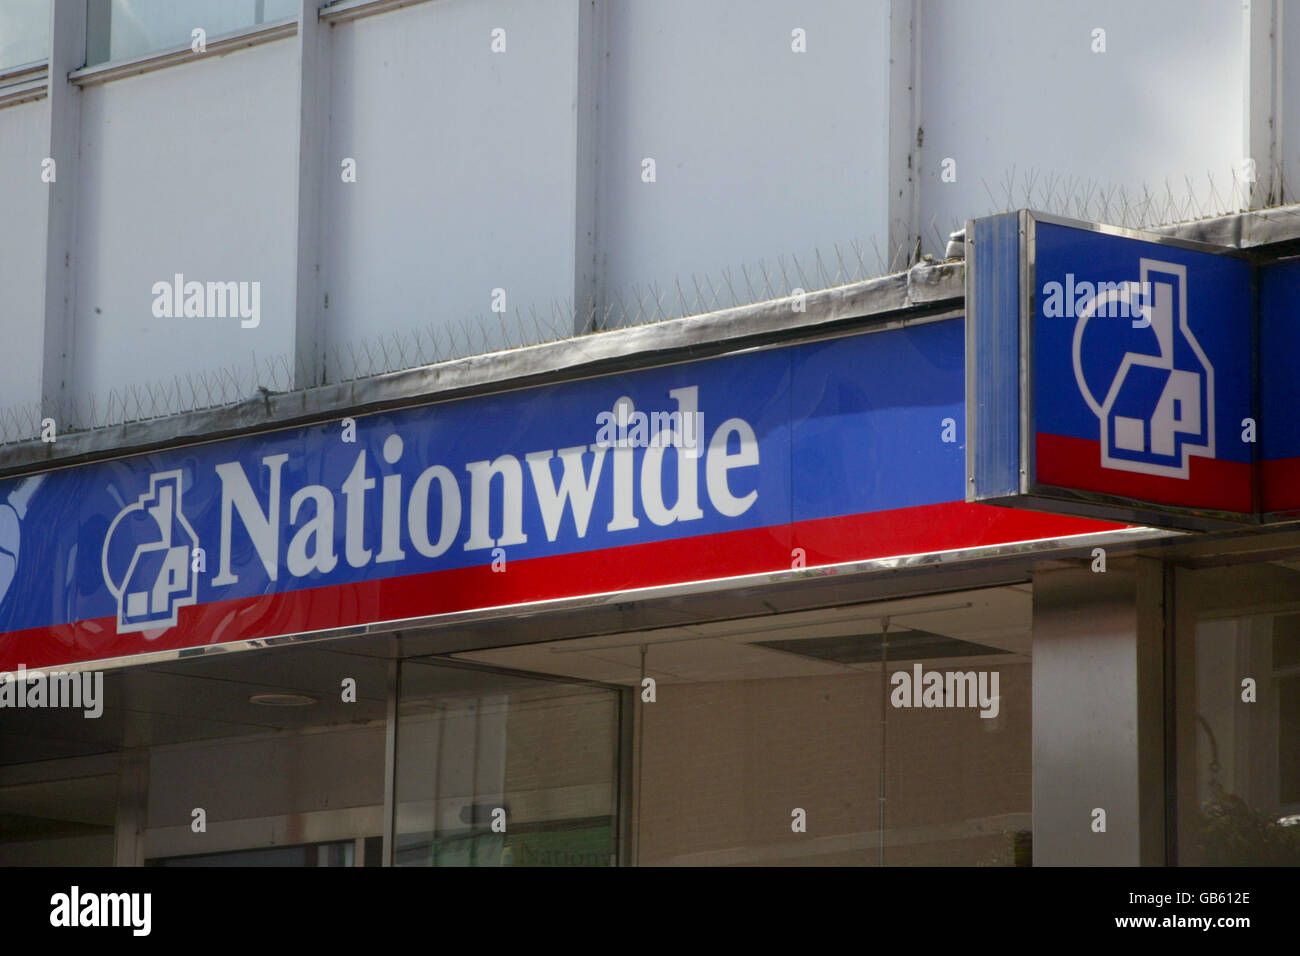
(1116, 374)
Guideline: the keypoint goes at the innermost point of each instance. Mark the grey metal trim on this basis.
(628, 701)
(132, 812)
(904, 157)
(228, 836)
(390, 765)
(27, 93)
(588, 92)
(1028, 292)
(313, 84)
(346, 10)
(1095, 503)
(1236, 230)
(160, 59)
(1175, 236)
(922, 292)
(968, 360)
(105, 764)
(1243, 230)
(63, 140)
(24, 83)
(1106, 507)
(21, 72)
(937, 559)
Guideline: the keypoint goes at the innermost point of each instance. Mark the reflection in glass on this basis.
(729, 759)
(1240, 730)
(58, 821)
(24, 32)
(499, 770)
(337, 853)
(121, 29)
(754, 720)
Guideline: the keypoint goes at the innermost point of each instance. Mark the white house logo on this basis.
(146, 559)
(13, 509)
(1152, 387)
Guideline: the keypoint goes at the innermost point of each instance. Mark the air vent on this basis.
(866, 648)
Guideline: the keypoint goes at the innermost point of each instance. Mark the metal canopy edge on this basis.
(926, 290)
(968, 558)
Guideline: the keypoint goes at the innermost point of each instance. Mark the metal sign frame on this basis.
(1001, 462)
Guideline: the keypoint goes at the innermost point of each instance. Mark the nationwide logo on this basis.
(1148, 382)
(13, 509)
(386, 511)
(146, 558)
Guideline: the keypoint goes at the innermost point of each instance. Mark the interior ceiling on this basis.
(998, 619)
(207, 697)
(48, 807)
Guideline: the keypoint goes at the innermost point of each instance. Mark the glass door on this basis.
(496, 769)
(1237, 693)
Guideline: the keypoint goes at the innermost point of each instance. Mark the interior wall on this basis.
(725, 764)
(1087, 687)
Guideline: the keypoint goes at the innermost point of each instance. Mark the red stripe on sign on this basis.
(904, 531)
(1279, 482)
(1211, 483)
(931, 528)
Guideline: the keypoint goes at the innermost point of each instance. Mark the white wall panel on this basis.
(1013, 88)
(760, 152)
(185, 170)
(1288, 109)
(23, 197)
(465, 168)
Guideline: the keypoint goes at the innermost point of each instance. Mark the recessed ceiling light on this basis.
(282, 700)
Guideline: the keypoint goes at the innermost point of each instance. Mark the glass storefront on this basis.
(895, 733)
(1237, 661)
(262, 755)
(57, 820)
(795, 739)
(498, 769)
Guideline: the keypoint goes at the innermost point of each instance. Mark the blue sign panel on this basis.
(769, 460)
(1132, 370)
(1279, 389)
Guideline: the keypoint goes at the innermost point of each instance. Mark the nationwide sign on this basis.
(1114, 373)
(768, 460)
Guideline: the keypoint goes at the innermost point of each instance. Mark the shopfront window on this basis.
(797, 738)
(501, 770)
(275, 757)
(1238, 714)
(121, 29)
(60, 771)
(337, 853)
(63, 816)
